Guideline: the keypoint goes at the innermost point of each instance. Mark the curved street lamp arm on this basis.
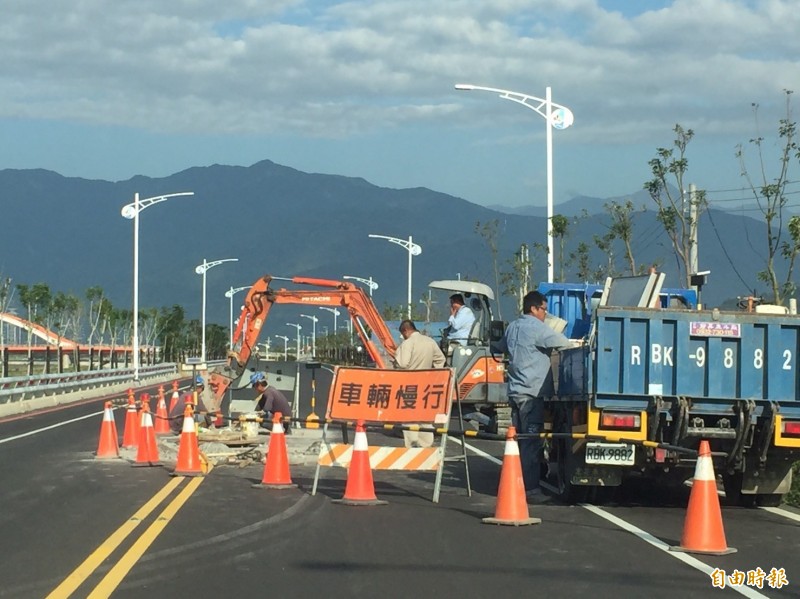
(201, 268)
(233, 291)
(129, 210)
(520, 98)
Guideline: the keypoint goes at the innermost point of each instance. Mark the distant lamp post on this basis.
(131, 211)
(285, 346)
(372, 285)
(335, 313)
(299, 328)
(229, 294)
(413, 250)
(202, 269)
(556, 116)
(313, 320)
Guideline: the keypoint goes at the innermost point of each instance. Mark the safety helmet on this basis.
(200, 381)
(257, 378)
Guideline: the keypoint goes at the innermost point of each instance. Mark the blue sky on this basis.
(362, 88)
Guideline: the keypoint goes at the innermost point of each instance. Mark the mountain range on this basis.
(68, 232)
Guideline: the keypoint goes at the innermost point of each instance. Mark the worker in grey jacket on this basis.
(528, 343)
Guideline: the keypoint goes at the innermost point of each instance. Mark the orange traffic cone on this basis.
(130, 437)
(512, 505)
(107, 445)
(162, 417)
(147, 455)
(276, 469)
(702, 529)
(144, 399)
(360, 490)
(189, 463)
(175, 398)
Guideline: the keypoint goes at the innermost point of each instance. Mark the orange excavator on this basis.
(328, 293)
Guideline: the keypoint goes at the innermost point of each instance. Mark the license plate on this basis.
(613, 454)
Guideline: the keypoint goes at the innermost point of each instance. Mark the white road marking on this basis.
(659, 544)
(646, 536)
(52, 426)
(781, 512)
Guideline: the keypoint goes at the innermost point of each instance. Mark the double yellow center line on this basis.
(118, 572)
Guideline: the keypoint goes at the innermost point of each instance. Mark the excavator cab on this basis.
(479, 372)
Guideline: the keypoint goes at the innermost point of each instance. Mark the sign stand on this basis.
(420, 397)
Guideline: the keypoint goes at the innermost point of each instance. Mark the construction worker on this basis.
(200, 411)
(270, 400)
(416, 352)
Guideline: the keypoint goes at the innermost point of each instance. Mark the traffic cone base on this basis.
(107, 448)
(703, 532)
(189, 462)
(360, 489)
(512, 504)
(276, 467)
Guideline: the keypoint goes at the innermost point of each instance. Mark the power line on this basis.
(724, 251)
(744, 189)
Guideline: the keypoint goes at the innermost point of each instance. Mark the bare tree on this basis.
(771, 199)
(678, 213)
(488, 231)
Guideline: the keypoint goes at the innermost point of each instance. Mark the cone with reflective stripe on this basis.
(162, 417)
(702, 529)
(360, 489)
(276, 469)
(107, 447)
(147, 454)
(189, 463)
(512, 505)
(175, 399)
(130, 436)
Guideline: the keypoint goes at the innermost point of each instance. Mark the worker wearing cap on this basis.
(200, 410)
(270, 400)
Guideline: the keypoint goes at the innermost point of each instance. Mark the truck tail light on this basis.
(791, 428)
(621, 421)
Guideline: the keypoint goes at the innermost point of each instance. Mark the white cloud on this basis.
(328, 69)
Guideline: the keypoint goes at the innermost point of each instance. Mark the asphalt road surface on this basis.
(74, 526)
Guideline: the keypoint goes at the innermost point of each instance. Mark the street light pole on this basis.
(335, 313)
(229, 294)
(372, 285)
(202, 269)
(131, 211)
(313, 320)
(555, 115)
(413, 250)
(285, 346)
(299, 328)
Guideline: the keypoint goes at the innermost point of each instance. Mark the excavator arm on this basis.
(328, 293)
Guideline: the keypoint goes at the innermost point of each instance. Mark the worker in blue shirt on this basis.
(460, 320)
(528, 343)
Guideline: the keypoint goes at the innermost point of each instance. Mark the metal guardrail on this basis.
(28, 387)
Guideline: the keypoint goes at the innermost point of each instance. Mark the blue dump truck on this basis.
(645, 384)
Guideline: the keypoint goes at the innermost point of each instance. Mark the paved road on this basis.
(217, 536)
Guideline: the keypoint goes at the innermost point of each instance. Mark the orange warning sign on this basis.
(375, 395)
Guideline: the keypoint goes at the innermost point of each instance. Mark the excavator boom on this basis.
(328, 293)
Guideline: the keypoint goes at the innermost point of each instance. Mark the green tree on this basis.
(678, 214)
(770, 195)
(580, 257)
(560, 226)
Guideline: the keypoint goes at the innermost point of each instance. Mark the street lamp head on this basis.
(128, 211)
(561, 118)
(200, 269)
(464, 87)
(415, 249)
